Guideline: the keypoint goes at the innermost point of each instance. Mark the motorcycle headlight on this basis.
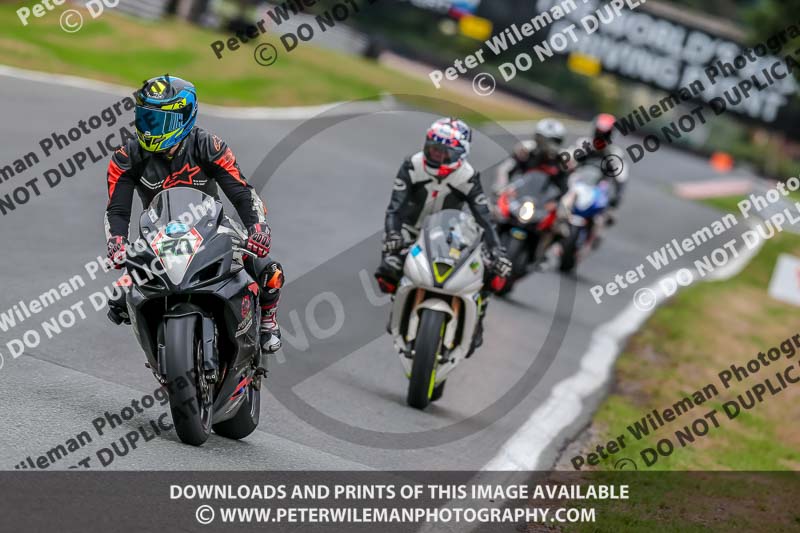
(526, 211)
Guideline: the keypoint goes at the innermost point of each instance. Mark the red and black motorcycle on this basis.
(526, 213)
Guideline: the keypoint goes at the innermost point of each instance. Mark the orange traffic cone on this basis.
(721, 162)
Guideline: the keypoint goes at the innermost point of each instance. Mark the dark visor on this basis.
(440, 154)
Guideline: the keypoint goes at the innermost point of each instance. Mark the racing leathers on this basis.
(204, 162)
(525, 157)
(416, 195)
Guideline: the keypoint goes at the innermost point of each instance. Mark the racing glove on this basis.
(117, 252)
(260, 240)
(393, 243)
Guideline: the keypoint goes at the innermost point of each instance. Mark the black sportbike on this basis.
(527, 214)
(195, 312)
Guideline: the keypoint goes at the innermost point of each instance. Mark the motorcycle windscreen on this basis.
(533, 183)
(450, 235)
(172, 220)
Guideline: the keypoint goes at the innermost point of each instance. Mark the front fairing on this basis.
(182, 245)
(233, 301)
(527, 197)
(589, 200)
(446, 256)
(185, 254)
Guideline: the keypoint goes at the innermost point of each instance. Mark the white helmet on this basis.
(549, 135)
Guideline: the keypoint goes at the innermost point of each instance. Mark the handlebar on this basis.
(245, 252)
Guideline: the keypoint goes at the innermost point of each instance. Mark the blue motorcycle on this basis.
(586, 202)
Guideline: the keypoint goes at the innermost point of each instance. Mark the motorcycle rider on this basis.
(599, 151)
(169, 151)
(611, 159)
(437, 178)
(539, 153)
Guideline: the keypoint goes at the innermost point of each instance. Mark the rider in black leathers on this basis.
(170, 151)
(540, 153)
(435, 179)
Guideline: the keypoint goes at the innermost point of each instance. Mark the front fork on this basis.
(483, 303)
(450, 329)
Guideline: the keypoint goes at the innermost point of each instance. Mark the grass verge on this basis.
(686, 344)
(126, 51)
(682, 348)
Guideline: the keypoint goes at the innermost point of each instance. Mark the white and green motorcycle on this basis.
(437, 305)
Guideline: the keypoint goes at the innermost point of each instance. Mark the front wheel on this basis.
(426, 350)
(189, 396)
(518, 253)
(569, 250)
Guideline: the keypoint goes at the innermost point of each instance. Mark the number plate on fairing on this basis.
(519, 234)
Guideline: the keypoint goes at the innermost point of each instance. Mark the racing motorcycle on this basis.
(195, 313)
(586, 202)
(527, 212)
(437, 304)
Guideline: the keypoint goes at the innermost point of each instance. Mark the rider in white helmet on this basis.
(540, 153)
(437, 178)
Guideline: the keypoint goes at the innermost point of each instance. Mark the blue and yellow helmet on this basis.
(166, 110)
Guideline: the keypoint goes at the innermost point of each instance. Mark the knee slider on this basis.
(273, 277)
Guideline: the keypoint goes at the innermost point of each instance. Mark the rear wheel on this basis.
(246, 419)
(190, 398)
(426, 350)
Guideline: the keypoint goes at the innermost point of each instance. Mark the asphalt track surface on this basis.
(337, 404)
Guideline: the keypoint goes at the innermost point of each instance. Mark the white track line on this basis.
(241, 113)
(564, 406)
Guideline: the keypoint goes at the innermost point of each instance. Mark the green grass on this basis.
(700, 332)
(126, 51)
(682, 348)
(669, 502)
(728, 204)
